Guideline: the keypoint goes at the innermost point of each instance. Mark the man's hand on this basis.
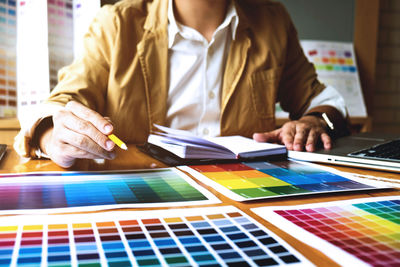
(300, 134)
(78, 132)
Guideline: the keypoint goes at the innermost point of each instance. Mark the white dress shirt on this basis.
(196, 69)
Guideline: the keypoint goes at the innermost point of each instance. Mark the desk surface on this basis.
(134, 159)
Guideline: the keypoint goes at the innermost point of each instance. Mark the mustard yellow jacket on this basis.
(123, 72)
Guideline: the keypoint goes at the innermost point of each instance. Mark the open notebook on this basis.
(176, 147)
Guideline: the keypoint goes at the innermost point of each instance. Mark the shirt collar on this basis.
(174, 29)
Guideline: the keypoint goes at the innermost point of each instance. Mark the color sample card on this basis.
(8, 41)
(359, 232)
(257, 180)
(217, 236)
(336, 66)
(38, 192)
(60, 28)
(335, 63)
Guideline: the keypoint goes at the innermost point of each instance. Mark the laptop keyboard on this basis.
(386, 151)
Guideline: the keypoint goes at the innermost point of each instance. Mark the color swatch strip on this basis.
(361, 231)
(158, 187)
(256, 180)
(8, 86)
(217, 236)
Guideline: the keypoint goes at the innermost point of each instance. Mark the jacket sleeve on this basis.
(85, 80)
(299, 83)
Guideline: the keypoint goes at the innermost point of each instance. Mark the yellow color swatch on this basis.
(173, 220)
(237, 184)
(216, 176)
(349, 61)
(12, 228)
(57, 226)
(250, 174)
(268, 182)
(33, 227)
(81, 225)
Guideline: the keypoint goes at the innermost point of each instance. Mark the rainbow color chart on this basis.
(257, 180)
(38, 192)
(359, 232)
(335, 63)
(218, 236)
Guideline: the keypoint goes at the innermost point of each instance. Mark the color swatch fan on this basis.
(359, 232)
(258, 180)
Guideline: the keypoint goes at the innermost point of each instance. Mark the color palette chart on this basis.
(38, 192)
(60, 25)
(360, 232)
(335, 63)
(8, 77)
(257, 180)
(218, 236)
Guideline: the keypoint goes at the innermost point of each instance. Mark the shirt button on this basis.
(205, 131)
(211, 95)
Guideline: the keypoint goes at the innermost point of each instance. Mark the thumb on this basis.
(271, 137)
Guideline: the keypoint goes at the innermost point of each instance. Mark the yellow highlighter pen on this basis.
(118, 141)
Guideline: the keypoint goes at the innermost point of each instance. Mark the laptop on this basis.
(366, 150)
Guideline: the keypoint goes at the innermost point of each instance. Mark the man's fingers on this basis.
(312, 140)
(83, 127)
(300, 137)
(296, 135)
(272, 137)
(287, 135)
(326, 141)
(92, 116)
(83, 144)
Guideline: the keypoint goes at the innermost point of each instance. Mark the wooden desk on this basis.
(134, 159)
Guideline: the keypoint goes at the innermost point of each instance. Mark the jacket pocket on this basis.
(264, 86)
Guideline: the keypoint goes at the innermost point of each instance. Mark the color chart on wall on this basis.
(8, 77)
(68, 21)
(336, 65)
(38, 192)
(257, 180)
(359, 232)
(218, 236)
(61, 28)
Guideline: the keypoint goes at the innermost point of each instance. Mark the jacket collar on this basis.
(157, 19)
(175, 28)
